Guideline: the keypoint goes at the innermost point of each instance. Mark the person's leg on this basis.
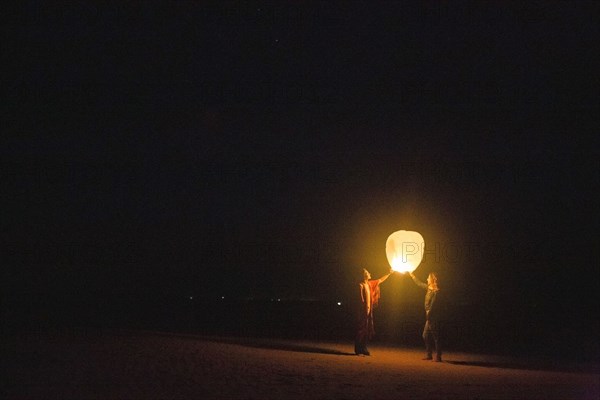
(370, 332)
(360, 346)
(427, 340)
(359, 342)
(435, 335)
(365, 350)
(362, 330)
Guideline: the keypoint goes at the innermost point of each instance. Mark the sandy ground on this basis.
(153, 365)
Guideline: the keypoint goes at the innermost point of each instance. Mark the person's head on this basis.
(365, 274)
(432, 281)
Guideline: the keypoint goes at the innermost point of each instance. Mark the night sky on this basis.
(254, 150)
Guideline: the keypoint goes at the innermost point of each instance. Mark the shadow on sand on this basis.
(254, 342)
(278, 345)
(534, 365)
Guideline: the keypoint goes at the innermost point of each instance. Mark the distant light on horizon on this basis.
(404, 250)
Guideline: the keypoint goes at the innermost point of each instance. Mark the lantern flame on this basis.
(404, 250)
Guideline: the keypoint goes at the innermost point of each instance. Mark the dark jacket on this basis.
(432, 306)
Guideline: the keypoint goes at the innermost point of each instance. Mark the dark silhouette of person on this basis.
(369, 298)
(431, 331)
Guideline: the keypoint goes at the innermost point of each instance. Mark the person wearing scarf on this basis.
(369, 299)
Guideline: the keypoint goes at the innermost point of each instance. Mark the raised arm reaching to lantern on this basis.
(383, 278)
(369, 298)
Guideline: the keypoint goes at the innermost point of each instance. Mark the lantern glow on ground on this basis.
(404, 250)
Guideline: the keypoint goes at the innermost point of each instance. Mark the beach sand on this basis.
(97, 364)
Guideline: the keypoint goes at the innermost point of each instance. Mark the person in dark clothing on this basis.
(369, 298)
(431, 331)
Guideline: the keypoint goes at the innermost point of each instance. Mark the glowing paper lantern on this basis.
(404, 250)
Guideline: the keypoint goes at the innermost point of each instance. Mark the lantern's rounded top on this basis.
(404, 250)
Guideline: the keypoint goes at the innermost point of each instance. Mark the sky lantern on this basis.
(404, 250)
